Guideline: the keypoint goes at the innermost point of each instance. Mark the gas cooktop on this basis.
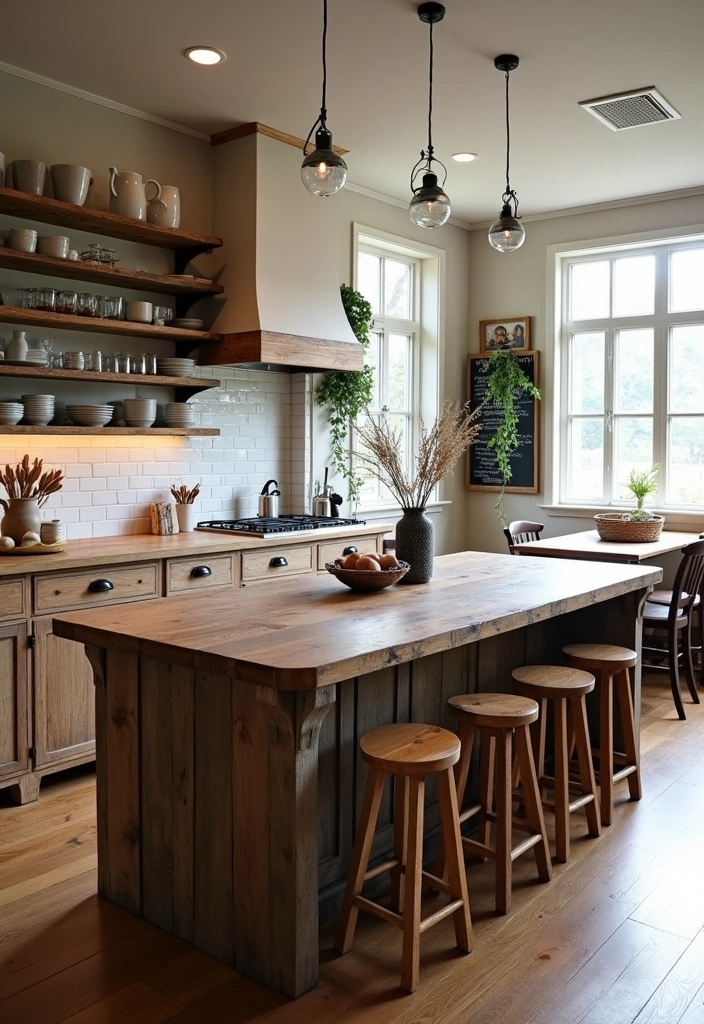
(262, 527)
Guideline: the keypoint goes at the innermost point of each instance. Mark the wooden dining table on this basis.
(589, 546)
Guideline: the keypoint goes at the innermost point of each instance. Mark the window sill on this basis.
(394, 512)
(681, 519)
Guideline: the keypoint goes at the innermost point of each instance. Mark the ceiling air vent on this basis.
(631, 109)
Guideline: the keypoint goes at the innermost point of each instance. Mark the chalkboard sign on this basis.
(482, 469)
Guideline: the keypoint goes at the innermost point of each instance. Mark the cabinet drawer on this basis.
(208, 571)
(333, 549)
(12, 599)
(257, 565)
(71, 591)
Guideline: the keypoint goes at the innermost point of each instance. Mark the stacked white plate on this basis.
(173, 367)
(179, 414)
(188, 323)
(36, 355)
(38, 409)
(90, 415)
(10, 413)
(139, 412)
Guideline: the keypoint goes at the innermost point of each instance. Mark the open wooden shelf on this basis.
(101, 325)
(185, 387)
(81, 218)
(101, 273)
(109, 431)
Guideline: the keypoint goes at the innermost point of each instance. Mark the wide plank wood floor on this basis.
(616, 938)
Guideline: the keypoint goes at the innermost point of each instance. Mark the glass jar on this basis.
(66, 302)
(150, 360)
(161, 314)
(74, 361)
(111, 307)
(124, 362)
(94, 361)
(87, 304)
(139, 364)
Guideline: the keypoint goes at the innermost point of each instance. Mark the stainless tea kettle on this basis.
(269, 501)
(325, 503)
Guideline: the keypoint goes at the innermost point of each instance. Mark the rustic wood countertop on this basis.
(82, 554)
(309, 632)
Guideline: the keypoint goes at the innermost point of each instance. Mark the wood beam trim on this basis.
(240, 131)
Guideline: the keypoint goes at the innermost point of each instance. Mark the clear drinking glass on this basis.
(87, 304)
(29, 298)
(94, 361)
(139, 364)
(66, 302)
(57, 360)
(111, 306)
(150, 360)
(124, 362)
(161, 314)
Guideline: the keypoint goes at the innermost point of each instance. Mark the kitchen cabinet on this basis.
(64, 701)
(185, 575)
(14, 740)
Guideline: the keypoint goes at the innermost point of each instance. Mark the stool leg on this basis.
(360, 858)
(625, 701)
(456, 875)
(461, 774)
(562, 789)
(584, 757)
(606, 746)
(534, 808)
(503, 821)
(538, 734)
(410, 963)
(400, 841)
(486, 786)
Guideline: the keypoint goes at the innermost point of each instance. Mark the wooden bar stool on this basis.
(409, 751)
(566, 688)
(500, 717)
(610, 664)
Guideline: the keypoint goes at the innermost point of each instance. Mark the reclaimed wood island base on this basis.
(229, 781)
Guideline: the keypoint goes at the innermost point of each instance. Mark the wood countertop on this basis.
(81, 554)
(310, 632)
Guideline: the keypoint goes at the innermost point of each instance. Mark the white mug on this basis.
(29, 176)
(139, 312)
(71, 183)
(53, 245)
(23, 239)
(53, 532)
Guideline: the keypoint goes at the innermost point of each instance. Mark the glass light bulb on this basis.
(323, 172)
(430, 207)
(507, 233)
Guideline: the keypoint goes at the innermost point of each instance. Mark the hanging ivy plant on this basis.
(346, 394)
(506, 381)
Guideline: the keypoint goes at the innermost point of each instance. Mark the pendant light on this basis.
(429, 207)
(323, 172)
(507, 233)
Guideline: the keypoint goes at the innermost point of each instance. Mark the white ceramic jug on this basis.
(127, 193)
(165, 207)
(17, 348)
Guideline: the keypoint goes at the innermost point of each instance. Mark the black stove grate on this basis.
(262, 526)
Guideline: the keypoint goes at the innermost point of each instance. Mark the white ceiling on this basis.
(131, 52)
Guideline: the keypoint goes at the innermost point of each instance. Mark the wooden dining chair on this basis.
(520, 531)
(675, 621)
(665, 597)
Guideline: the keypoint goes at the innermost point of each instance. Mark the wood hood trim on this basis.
(254, 127)
(283, 351)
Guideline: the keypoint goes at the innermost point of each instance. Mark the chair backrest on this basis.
(688, 579)
(520, 531)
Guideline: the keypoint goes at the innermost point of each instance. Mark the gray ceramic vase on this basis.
(414, 544)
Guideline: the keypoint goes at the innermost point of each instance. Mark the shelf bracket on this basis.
(182, 257)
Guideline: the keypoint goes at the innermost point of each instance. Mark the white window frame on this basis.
(427, 325)
(660, 243)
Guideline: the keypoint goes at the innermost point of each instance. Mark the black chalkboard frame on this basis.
(535, 485)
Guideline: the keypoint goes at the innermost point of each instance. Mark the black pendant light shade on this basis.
(507, 233)
(429, 207)
(323, 171)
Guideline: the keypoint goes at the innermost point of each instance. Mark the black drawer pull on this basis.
(100, 586)
(277, 562)
(350, 550)
(200, 570)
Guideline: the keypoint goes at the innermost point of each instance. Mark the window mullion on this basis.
(609, 424)
(660, 382)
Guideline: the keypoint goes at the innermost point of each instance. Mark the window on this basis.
(402, 285)
(632, 390)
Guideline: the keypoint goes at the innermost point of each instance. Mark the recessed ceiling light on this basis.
(205, 55)
(464, 158)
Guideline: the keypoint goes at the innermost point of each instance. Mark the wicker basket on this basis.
(368, 579)
(617, 526)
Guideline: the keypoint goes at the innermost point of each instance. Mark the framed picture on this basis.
(505, 332)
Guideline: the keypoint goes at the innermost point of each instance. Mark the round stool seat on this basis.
(410, 748)
(600, 656)
(495, 710)
(552, 681)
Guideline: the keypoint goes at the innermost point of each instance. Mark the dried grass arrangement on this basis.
(440, 447)
(28, 481)
(182, 495)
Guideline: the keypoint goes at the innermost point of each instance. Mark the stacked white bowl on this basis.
(171, 366)
(179, 414)
(90, 415)
(139, 412)
(38, 409)
(10, 413)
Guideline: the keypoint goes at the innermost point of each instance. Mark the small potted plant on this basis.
(185, 510)
(637, 526)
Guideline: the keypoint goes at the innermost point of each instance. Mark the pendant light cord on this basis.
(508, 139)
(323, 110)
(430, 97)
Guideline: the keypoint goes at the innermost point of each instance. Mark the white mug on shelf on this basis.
(23, 239)
(71, 183)
(53, 245)
(139, 312)
(29, 176)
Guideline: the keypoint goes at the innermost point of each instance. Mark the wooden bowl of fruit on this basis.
(368, 572)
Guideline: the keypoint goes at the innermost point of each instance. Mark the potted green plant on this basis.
(639, 525)
(506, 381)
(346, 394)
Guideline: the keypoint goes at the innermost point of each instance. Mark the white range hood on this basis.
(279, 263)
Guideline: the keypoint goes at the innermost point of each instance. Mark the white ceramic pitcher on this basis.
(165, 207)
(127, 193)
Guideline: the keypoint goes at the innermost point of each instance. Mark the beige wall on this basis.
(517, 283)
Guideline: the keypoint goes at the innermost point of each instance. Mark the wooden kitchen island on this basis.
(229, 781)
